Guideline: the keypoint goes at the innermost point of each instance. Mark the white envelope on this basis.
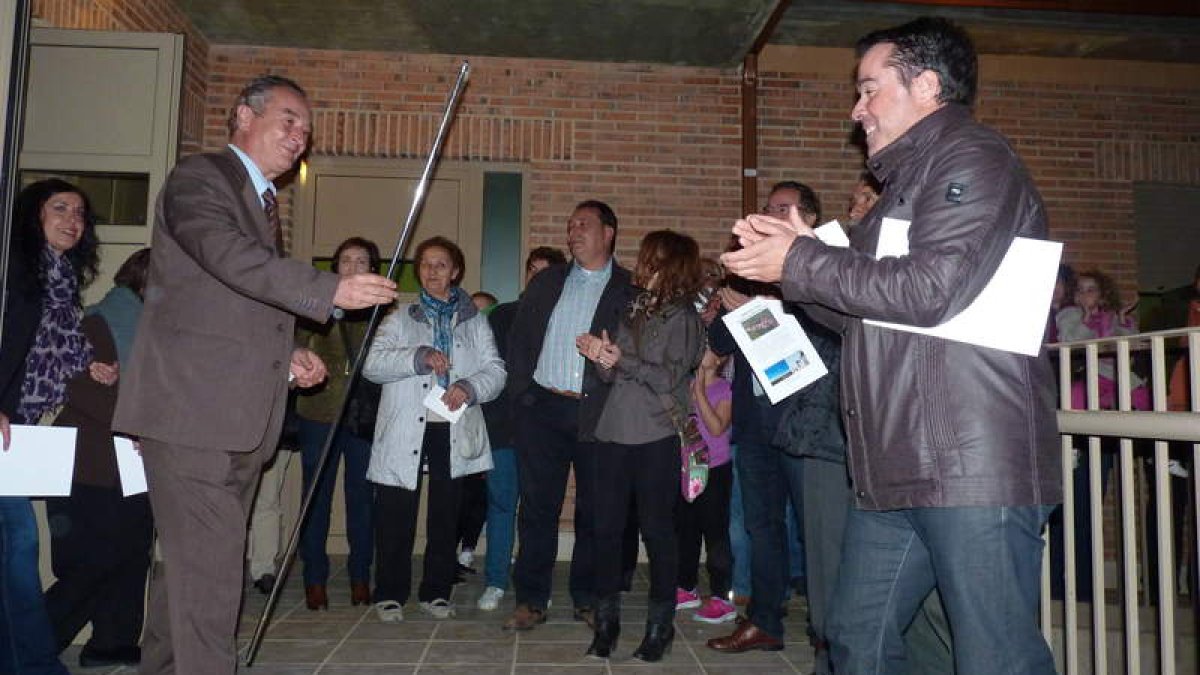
(39, 462)
(130, 467)
(433, 401)
(1010, 312)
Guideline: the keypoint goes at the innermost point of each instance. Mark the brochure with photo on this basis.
(779, 351)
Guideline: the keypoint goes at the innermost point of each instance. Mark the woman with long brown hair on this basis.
(650, 364)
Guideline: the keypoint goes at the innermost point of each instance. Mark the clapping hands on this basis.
(600, 350)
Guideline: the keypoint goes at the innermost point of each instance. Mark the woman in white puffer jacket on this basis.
(439, 340)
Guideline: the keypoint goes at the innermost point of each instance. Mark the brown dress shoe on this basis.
(315, 598)
(525, 617)
(360, 593)
(747, 637)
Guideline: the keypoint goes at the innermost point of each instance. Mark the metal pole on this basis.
(393, 269)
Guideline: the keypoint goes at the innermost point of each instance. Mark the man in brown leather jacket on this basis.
(952, 447)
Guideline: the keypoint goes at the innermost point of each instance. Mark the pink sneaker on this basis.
(686, 599)
(716, 610)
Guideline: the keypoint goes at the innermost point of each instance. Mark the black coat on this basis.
(22, 313)
(529, 330)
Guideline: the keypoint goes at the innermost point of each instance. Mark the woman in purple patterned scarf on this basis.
(53, 256)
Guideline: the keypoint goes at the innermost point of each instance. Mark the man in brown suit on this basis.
(207, 381)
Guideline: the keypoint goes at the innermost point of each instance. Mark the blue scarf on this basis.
(59, 348)
(440, 314)
(120, 309)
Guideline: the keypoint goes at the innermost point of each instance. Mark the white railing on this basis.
(1174, 646)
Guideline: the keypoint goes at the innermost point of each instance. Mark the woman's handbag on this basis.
(693, 450)
(694, 456)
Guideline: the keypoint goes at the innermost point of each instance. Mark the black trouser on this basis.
(100, 546)
(396, 527)
(548, 446)
(706, 518)
(472, 510)
(649, 473)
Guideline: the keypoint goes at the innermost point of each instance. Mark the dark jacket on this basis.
(22, 313)
(651, 384)
(811, 423)
(529, 330)
(931, 422)
(497, 414)
(89, 408)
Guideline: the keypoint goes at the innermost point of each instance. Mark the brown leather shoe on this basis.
(315, 598)
(360, 593)
(746, 638)
(525, 617)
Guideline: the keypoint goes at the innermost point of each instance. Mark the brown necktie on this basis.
(271, 207)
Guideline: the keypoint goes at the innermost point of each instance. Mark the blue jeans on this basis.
(359, 498)
(769, 479)
(986, 564)
(27, 642)
(502, 494)
(739, 540)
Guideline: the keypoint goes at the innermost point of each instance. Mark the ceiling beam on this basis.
(1142, 7)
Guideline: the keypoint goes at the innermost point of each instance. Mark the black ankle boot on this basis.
(608, 627)
(656, 643)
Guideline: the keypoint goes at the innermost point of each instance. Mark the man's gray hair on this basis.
(255, 95)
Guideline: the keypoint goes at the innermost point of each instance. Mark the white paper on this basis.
(433, 401)
(129, 466)
(40, 462)
(779, 352)
(893, 238)
(1010, 312)
(832, 234)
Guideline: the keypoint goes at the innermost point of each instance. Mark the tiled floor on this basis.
(346, 640)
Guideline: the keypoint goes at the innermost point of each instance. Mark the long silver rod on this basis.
(414, 212)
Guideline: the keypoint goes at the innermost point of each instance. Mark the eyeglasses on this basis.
(777, 209)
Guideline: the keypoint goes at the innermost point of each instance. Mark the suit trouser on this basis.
(548, 446)
(201, 499)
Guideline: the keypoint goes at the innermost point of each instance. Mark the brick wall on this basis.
(661, 143)
(157, 16)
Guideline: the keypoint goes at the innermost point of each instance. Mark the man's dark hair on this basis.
(608, 218)
(256, 93)
(930, 43)
(809, 202)
(550, 254)
(134, 271)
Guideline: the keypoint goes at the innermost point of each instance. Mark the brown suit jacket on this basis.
(213, 345)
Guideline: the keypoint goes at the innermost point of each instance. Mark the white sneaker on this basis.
(389, 611)
(438, 609)
(490, 599)
(466, 557)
